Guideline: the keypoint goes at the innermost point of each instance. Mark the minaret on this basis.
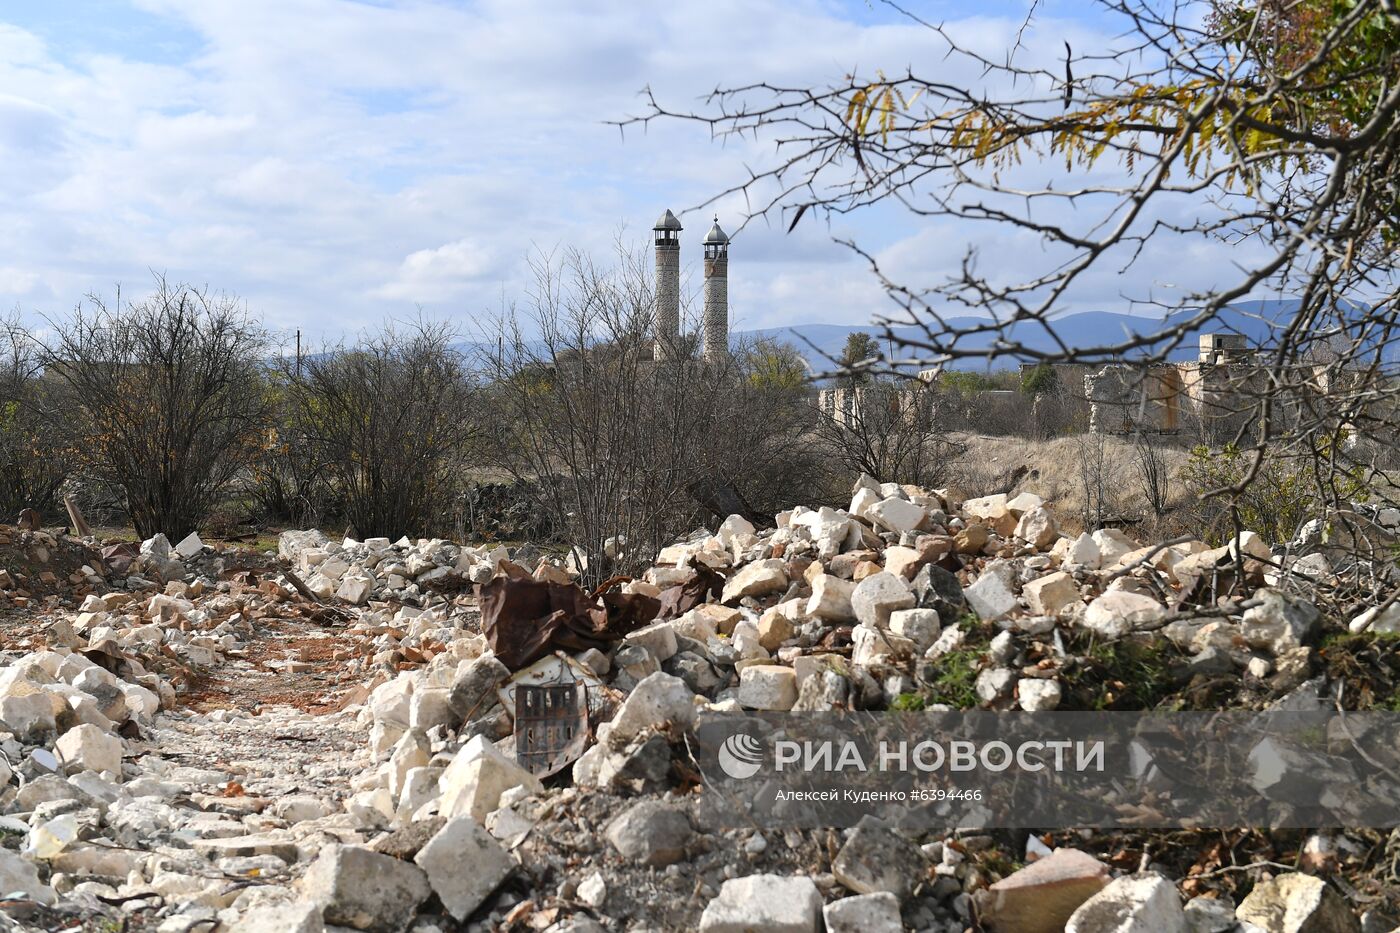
(716, 294)
(668, 286)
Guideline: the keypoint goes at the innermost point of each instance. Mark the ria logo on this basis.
(740, 756)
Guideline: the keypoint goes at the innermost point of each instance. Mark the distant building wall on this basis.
(1124, 399)
(1214, 397)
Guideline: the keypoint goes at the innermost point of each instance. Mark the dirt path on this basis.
(279, 753)
(283, 662)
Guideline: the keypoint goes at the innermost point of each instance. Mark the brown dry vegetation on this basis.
(1051, 469)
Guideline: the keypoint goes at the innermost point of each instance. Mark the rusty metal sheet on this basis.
(525, 619)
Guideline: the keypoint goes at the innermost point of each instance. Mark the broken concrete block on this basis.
(994, 683)
(189, 546)
(29, 716)
(695, 625)
(659, 639)
(864, 913)
(1037, 528)
(876, 859)
(990, 597)
(355, 588)
(356, 887)
(651, 833)
(760, 578)
(248, 847)
(299, 917)
(733, 529)
(296, 808)
(987, 508)
(767, 903)
(1083, 551)
(1281, 624)
(1023, 502)
(1118, 612)
(1050, 594)
(1129, 905)
(897, 515)
(1041, 897)
(474, 685)
(863, 499)
(920, 626)
(20, 876)
(464, 865)
(871, 646)
(87, 747)
(831, 599)
(593, 891)
(878, 595)
(1297, 903)
(1036, 695)
(903, 561)
(767, 686)
(776, 625)
(658, 699)
(473, 783)
(972, 539)
(1112, 545)
(431, 706)
(1210, 914)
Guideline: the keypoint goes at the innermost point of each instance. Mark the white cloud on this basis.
(18, 283)
(332, 161)
(445, 272)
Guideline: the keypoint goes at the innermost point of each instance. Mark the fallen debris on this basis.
(488, 745)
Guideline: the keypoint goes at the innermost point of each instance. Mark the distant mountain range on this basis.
(1255, 320)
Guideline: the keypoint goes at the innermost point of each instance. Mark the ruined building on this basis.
(1211, 394)
(715, 329)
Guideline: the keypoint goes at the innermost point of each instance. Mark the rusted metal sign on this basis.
(551, 725)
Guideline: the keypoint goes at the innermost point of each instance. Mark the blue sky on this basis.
(337, 162)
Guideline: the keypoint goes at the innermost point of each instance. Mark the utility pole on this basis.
(298, 352)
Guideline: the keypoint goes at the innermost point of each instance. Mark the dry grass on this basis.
(1051, 470)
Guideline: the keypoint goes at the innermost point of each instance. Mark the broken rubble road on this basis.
(408, 792)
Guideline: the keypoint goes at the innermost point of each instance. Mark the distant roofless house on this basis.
(1213, 393)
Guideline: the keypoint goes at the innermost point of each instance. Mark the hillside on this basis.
(1256, 320)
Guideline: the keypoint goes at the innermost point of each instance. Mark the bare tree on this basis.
(1153, 472)
(629, 451)
(888, 429)
(1098, 480)
(35, 457)
(769, 450)
(384, 425)
(165, 398)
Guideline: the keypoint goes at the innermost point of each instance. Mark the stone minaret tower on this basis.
(716, 294)
(668, 286)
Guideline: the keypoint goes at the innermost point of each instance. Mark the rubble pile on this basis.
(38, 567)
(409, 808)
(407, 571)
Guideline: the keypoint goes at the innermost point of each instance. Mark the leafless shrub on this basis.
(612, 438)
(35, 457)
(382, 426)
(888, 429)
(629, 452)
(772, 454)
(1153, 472)
(1098, 472)
(165, 398)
